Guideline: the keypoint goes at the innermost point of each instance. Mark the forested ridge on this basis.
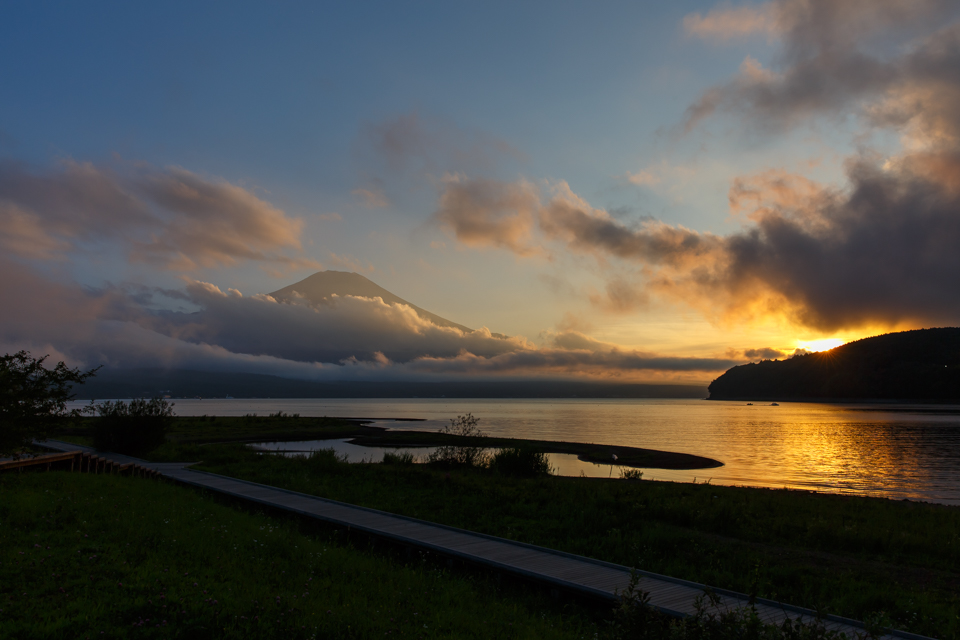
(910, 365)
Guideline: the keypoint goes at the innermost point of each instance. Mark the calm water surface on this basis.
(892, 451)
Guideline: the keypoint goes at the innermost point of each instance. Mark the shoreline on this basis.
(634, 457)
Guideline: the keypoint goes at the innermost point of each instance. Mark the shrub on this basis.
(403, 457)
(461, 455)
(325, 461)
(631, 474)
(521, 462)
(133, 429)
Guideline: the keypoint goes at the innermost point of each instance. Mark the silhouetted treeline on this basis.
(911, 365)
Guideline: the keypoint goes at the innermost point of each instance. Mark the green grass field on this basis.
(864, 558)
(95, 556)
(896, 563)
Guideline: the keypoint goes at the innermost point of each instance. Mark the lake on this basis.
(894, 451)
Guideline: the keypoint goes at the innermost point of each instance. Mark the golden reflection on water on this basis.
(892, 451)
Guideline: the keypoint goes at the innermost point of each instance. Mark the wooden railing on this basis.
(78, 461)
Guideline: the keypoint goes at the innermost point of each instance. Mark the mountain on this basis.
(320, 288)
(910, 365)
(146, 383)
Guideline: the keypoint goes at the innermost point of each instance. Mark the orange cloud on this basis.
(881, 252)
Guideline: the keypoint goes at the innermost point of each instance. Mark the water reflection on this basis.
(562, 464)
(893, 451)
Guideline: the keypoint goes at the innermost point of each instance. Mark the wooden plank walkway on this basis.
(80, 461)
(563, 570)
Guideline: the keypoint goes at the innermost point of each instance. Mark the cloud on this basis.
(644, 178)
(765, 353)
(412, 144)
(352, 337)
(349, 327)
(489, 213)
(835, 56)
(170, 217)
(621, 296)
(726, 22)
(579, 362)
(24, 235)
(880, 252)
(212, 223)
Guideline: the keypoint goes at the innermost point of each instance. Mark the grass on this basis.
(864, 558)
(87, 556)
(894, 563)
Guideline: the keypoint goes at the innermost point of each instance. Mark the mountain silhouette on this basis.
(321, 287)
(911, 365)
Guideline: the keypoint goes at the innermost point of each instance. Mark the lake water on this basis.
(908, 451)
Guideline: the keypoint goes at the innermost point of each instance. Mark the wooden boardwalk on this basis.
(561, 570)
(80, 461)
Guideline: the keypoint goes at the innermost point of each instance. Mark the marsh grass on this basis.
(91, 556)
(401, 457)
(862, 558)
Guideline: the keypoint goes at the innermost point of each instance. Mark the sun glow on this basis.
(820, 345)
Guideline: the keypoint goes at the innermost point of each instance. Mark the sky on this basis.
(632, 191)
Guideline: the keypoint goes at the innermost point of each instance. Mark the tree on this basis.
(133, 429)
(461, 455)
(33, 399)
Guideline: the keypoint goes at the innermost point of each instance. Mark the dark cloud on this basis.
(836, 56)
(766, 353)
(170, 217)
(612, 363)
(882, 252)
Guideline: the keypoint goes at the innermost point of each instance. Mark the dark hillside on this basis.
(910, 365)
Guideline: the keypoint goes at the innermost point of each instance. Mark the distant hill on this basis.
(321, 287)
(137, 383)
(910, 365)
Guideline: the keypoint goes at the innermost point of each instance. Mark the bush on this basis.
(461, 456)
(521, 462)
(404, 457)
(631, 474)
(133, 429)
(325, 461)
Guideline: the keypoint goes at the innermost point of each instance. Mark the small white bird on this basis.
(614, 456)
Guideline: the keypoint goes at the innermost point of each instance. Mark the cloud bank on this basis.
(349, 337)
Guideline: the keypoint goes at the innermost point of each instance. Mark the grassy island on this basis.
(205, 430)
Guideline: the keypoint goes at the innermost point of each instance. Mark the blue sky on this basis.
(355, 120)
